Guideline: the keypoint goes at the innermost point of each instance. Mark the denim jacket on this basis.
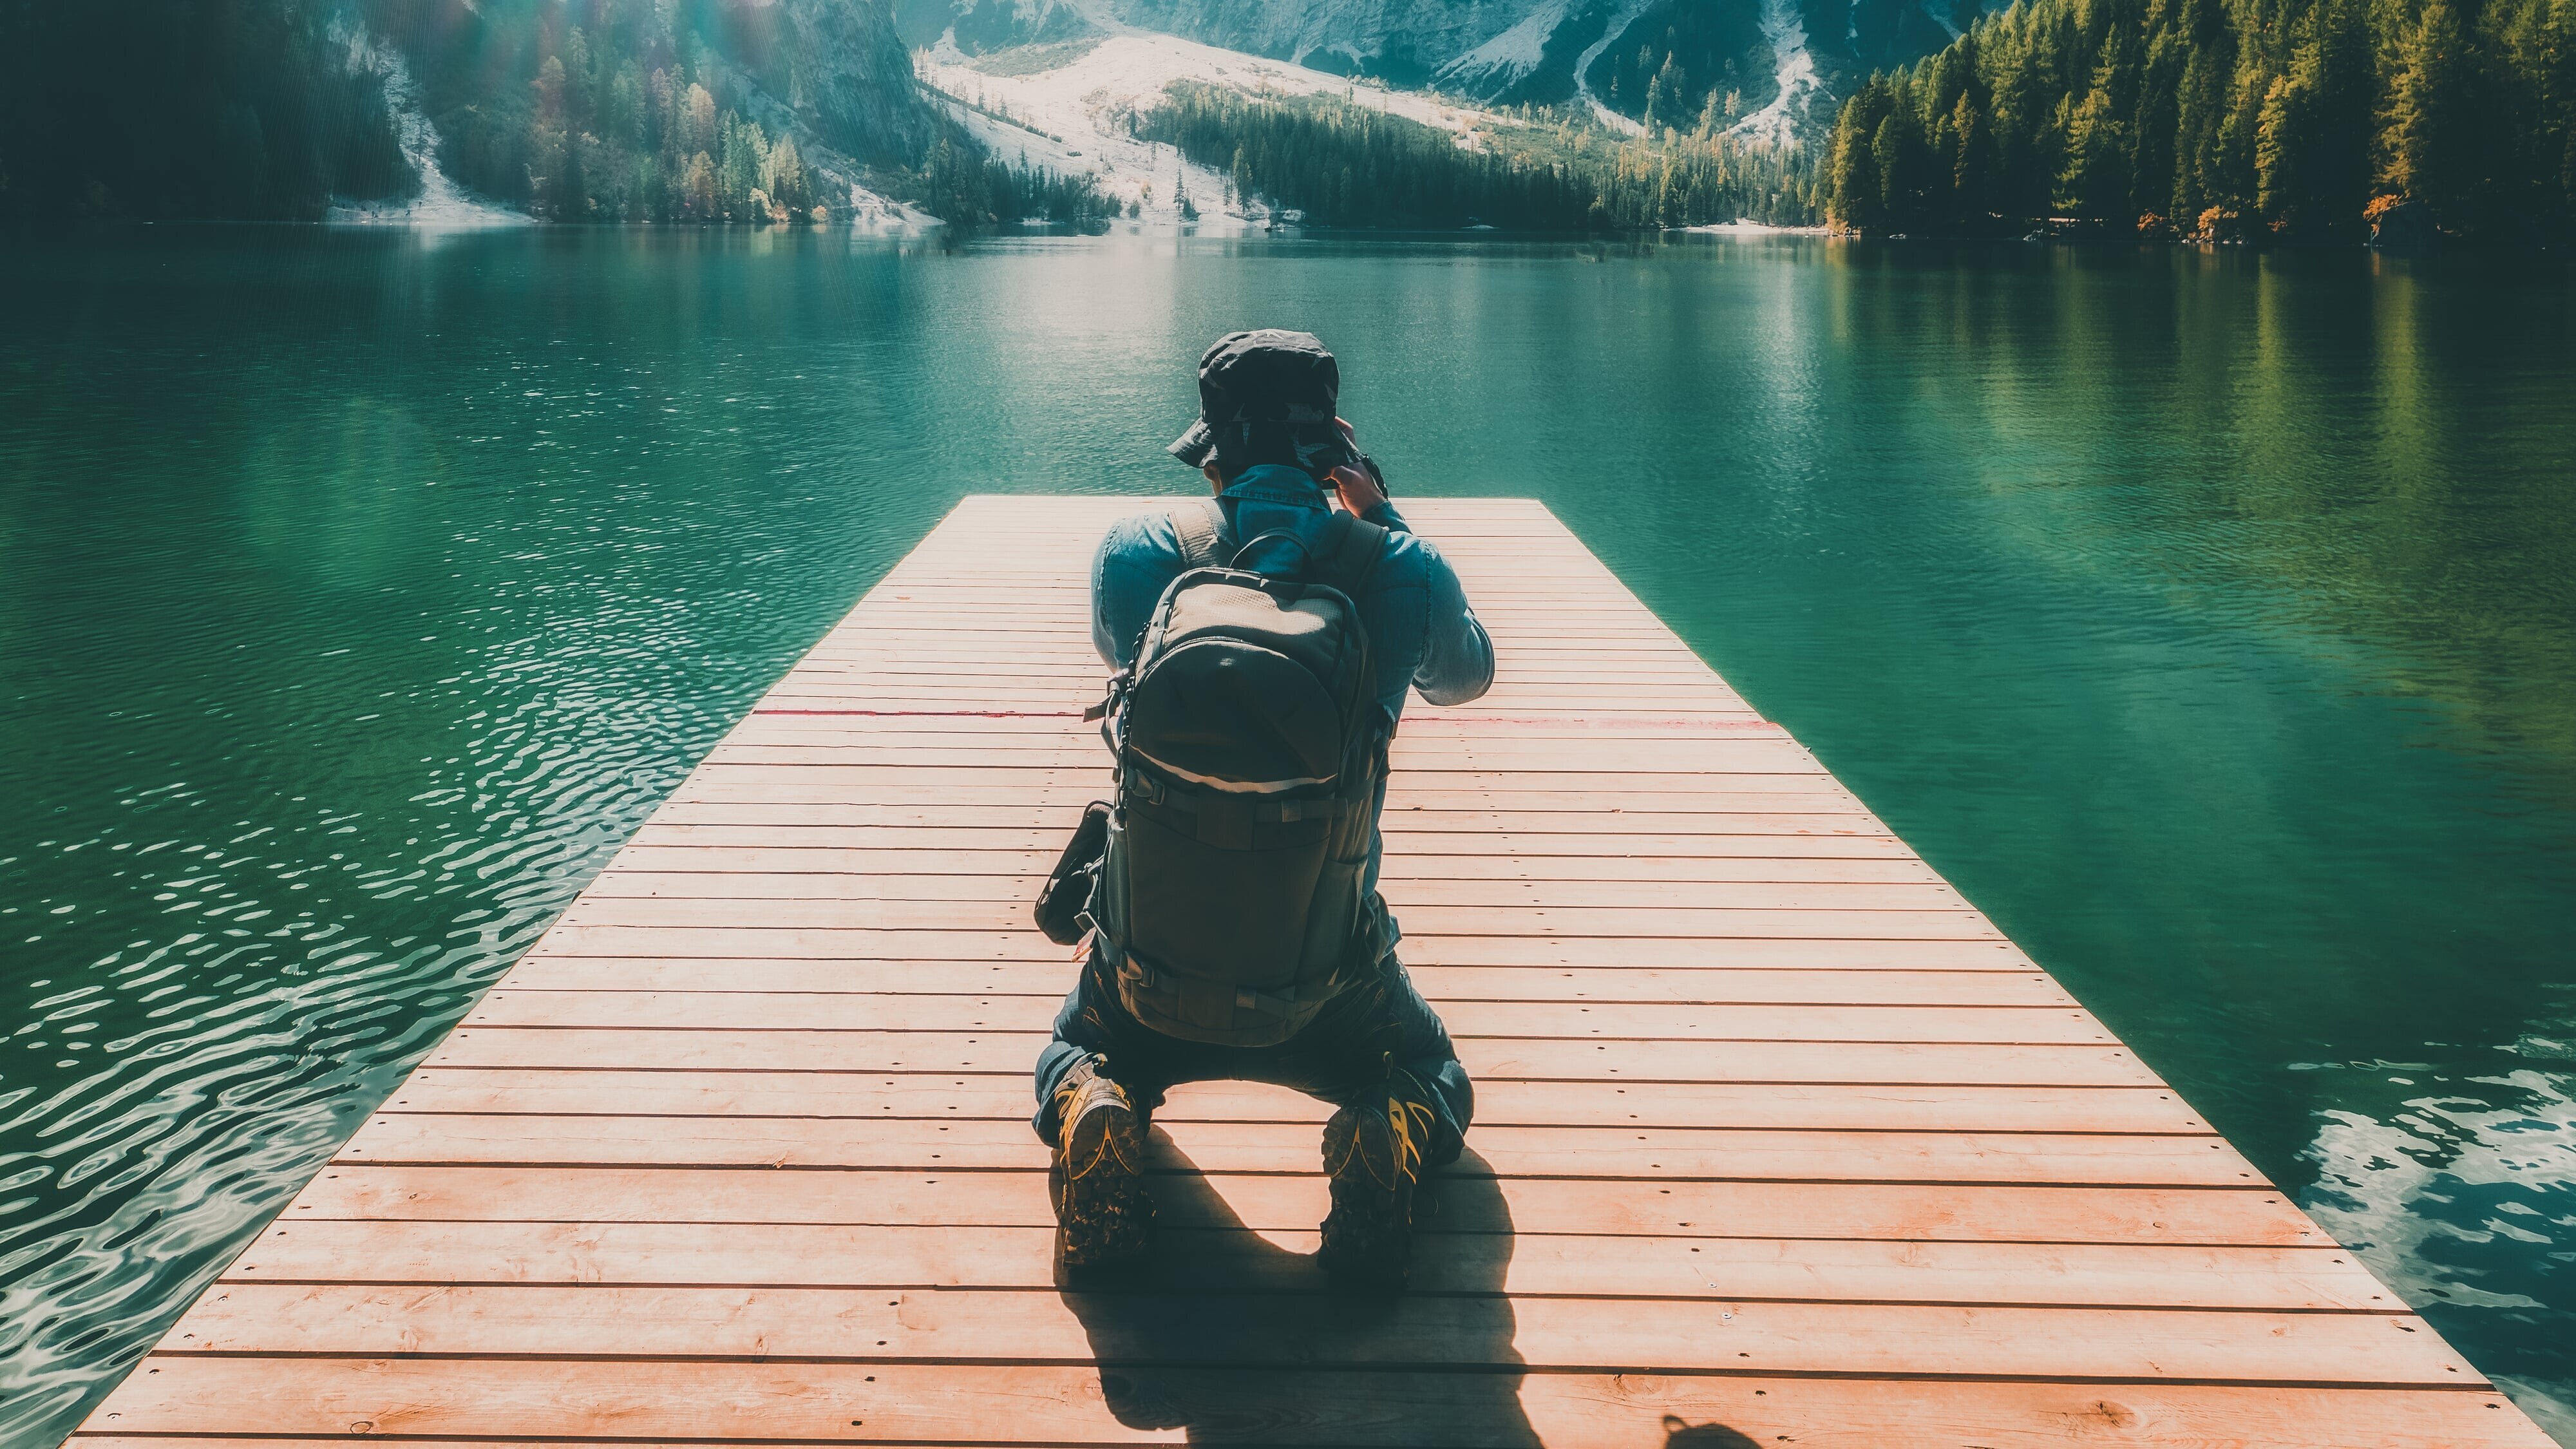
(1421, 633)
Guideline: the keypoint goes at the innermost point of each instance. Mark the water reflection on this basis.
(2210, 619)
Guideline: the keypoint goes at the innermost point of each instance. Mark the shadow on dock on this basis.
(1233, 1338)
(1681, 1435)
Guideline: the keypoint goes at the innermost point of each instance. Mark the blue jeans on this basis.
(1340, 1056)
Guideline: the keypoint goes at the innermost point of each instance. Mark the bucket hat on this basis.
(1267, 396)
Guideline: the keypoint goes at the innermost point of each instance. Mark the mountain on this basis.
(583, 110)
(651, 109)
(1772, 66)
(981, 27)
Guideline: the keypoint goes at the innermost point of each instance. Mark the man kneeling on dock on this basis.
(1264, 642)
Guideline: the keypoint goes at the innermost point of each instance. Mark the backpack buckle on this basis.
(1268, 1003)
(1108, 699)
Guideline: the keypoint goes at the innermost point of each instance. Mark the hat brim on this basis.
(1320, 449)
(1196, 446)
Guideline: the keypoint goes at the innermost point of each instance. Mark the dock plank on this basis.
(1232, 1260)
(1041, 1326)
(653, 1402)
(1661, 1154)
(1779, 1139)
(1500, 1101)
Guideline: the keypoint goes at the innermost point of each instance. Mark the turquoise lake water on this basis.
(2209, 619)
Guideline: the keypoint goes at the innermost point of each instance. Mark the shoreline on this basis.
(921, 226)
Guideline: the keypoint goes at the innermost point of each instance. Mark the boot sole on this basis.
(1102, 1210)
(1368, 1236)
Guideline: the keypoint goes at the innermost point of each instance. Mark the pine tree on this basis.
(2094, 183)
(2426, 138)
(1972, 164)
(698, 121)
(741, 149)
(622, 116)
(1906, 171)
(2282, 160)
(698, 188)
(575, 79)
(1853, 177)
(1664, 96)
(784, 176)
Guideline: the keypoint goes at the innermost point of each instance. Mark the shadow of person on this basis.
(1230, 1336)
(1679, 1434)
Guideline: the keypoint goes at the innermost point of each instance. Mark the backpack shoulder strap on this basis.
(1207, 540)
(1350, 553)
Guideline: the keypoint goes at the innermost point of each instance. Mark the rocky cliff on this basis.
(840, 66)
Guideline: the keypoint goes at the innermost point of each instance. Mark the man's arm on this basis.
(1139, 557)
(1457, 657)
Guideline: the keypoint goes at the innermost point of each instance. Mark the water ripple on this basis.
(2210, 620)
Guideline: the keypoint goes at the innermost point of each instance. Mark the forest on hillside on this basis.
(207, 108)
(607, 110)
(2220, 120)
(2289, 120)
(1693, 65)
(646, 110)
(572, 110)
(1344, 164)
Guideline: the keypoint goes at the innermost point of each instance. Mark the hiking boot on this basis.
(1097, 1181)
(1373, 1152)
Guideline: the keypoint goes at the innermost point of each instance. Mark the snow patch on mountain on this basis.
(1132, 68)
(1618, 26)
(1487, 49)
(1402, 40)
(1509, 58)
(1156, 178)
(1073, 118)
(1784, 120)
(442, 204)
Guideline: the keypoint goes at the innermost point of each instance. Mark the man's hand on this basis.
(1358, 489)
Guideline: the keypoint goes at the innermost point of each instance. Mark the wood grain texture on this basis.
(1779, 1140)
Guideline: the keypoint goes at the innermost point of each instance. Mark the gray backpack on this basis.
(1250, 745)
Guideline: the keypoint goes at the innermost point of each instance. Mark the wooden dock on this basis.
(1779, 1141)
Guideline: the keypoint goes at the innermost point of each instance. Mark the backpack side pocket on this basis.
(1067, 894)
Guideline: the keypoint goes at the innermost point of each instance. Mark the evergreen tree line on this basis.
(617, 110)
(575, 110)
(970, 186)
(2302, 120)
(241, 109)
(1348, 165)
(1689, 73)
(616, 120)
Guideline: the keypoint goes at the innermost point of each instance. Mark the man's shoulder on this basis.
(1141, 535)
(1138, 556)
(1407, 558)
(1152, 540)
